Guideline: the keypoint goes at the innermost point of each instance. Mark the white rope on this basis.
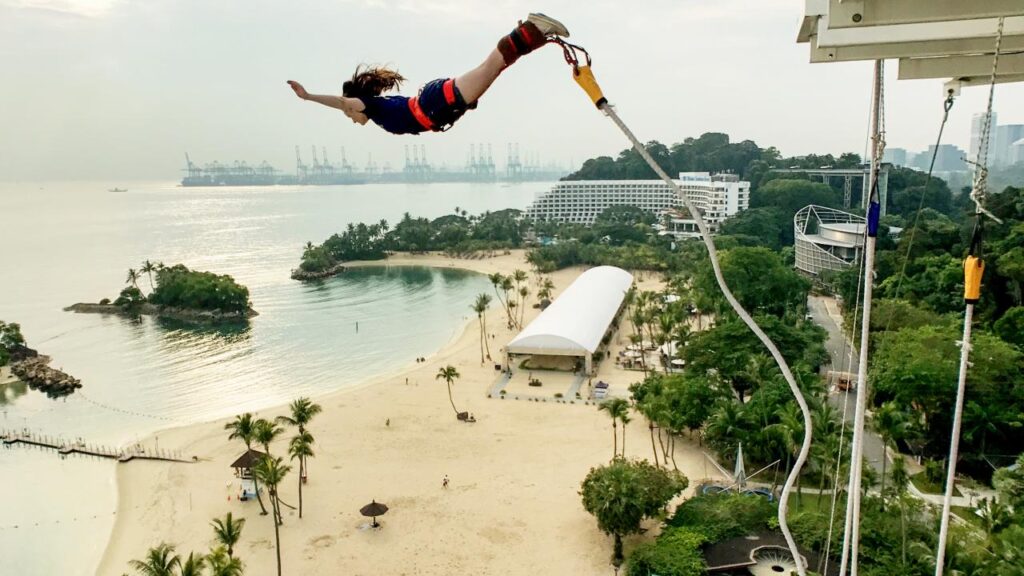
(954, 442)
(851, 536)
(848, 345)
(978, 197)
(749, 321)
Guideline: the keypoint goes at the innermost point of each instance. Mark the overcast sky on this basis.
(102, 89)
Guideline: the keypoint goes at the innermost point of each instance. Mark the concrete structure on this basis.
(1017, 152)
(576, 322)
(826, 239)
(848, 175)
(977, 125)
(1006, 137)
(580, 202)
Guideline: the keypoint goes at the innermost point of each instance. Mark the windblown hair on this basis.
(371, 81)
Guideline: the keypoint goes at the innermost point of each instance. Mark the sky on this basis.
(118, 89)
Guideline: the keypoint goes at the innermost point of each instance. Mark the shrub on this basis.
(675, 553)
(105, 302)
(721, 516)
(558, 394)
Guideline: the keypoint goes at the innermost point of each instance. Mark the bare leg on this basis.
(474, 83)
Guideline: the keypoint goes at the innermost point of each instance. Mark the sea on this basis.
(68, 242)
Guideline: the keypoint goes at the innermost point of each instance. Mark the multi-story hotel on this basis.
(716, 196)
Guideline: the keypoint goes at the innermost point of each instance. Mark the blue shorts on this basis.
(442, 102)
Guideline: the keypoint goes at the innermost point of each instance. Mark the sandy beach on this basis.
(512, 506)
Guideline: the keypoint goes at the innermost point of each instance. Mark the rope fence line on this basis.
(65, 447)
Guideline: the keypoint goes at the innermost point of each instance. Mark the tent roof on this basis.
(577, 320)
(248, 460)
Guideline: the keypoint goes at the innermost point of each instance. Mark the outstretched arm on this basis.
(340, 102)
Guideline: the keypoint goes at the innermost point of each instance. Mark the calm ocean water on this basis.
(69, 242)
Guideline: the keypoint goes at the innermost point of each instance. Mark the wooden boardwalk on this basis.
(65, 448)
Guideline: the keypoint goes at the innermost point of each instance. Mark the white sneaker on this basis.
(548, 25)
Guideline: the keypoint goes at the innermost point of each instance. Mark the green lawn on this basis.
(968, 514)
(928, 487)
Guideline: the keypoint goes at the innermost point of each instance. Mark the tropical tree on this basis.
(265, 432)
(891, 425)
(221, 564)
(623, 493)
(193, 565)
(148, 268)
(227, 532)
(506, 286)
(159, 561)
(302, 412)
(272, 472)
(133, 277)
(498, 281)
(449, 374)
(300, 448)
(524, 292)
(618, 410)
(243, 427)
(480, 306)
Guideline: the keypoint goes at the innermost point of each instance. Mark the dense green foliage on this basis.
(917, 369)
(623, 493)
(10, 338)
(179, 287)
(676, 552)
(758, 279)
(453, 233)
(710, 152)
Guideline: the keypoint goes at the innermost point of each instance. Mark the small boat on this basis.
(117, 190)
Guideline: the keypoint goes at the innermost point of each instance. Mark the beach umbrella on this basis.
(374, 509)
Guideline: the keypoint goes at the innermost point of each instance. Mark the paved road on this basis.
(825, 313)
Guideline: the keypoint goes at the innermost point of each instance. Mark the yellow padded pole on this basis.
(974, 268)
(585, 78)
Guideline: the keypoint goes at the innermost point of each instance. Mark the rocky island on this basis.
(28, 366)
(178, 293)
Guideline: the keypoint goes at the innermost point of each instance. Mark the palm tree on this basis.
(160, 561)
(618, 410)
(272, 472)
(148, 268)
(891, 425)
(498, 281)
(243, 427)
(303, 410)
(483, 301)
(193, 565)
(228, 531)
(133, 277)
(265, 432)
(301, 447)
(790, 431)
(523, 293)
(449, 374)
(506, 287)
(728, 426)
(221, 564)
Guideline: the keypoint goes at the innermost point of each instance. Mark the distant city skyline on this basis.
(110, 89)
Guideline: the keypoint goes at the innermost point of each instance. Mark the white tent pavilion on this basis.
(577, 320)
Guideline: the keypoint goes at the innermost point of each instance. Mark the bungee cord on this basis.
(583, 76)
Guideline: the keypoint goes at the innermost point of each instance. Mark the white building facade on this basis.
(580, 202)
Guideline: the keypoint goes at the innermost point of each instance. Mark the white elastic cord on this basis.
(749, 321)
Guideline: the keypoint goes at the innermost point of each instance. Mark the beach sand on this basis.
(512, 506)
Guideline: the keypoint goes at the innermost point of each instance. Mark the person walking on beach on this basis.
(440, 103)
(444, 483)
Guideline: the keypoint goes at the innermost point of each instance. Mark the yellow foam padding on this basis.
(585, 78)
(974, 267)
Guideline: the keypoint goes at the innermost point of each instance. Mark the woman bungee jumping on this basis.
(440, 103)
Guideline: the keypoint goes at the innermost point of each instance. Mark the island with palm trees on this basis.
(177, 293)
